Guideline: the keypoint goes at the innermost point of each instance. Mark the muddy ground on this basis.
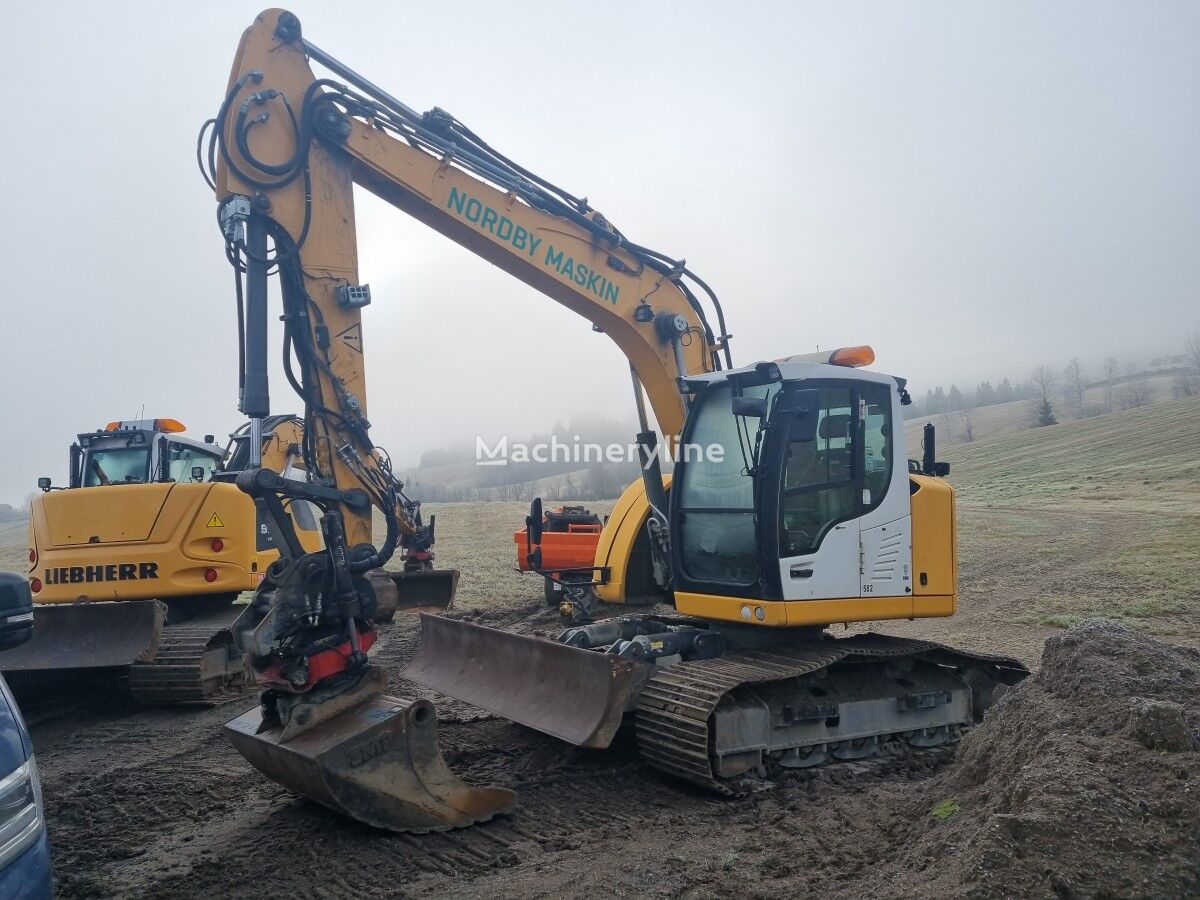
(1083, 781)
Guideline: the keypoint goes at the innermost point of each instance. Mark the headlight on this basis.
(21, 816)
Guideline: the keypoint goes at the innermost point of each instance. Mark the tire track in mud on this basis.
(274, 844)
(300, 848)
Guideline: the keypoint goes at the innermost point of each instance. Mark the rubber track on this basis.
(175, 675)
(674, 709)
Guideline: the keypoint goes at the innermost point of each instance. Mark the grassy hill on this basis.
(1096, 517)
(1139, 460)
(14, 542)
(1004, 419)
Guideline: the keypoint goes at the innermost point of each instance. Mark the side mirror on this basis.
(43, 484)
(16, 610)
(753, 407)
(210, 439)
(197, 473)
(929, 464)
(533, 522)
(803, 408)
(804, 426)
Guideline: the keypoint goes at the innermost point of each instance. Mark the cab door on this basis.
(820, 498)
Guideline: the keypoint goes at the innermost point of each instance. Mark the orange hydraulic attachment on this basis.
(569, 538)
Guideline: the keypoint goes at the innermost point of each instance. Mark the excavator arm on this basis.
(286, 149)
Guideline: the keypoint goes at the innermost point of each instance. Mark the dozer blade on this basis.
(100, 634)
(576, 695)
(378, 763)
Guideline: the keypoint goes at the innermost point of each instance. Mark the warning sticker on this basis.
(352, 337)
(214, 521)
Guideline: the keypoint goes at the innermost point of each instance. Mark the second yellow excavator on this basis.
(136, 562)
(792, 505)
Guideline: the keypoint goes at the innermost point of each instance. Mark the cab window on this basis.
(840, 475)
(116, 465)
(875, 405)
(819, 476)
(717, 524)
(182, 459)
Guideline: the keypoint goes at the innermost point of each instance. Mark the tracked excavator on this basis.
(792, 504)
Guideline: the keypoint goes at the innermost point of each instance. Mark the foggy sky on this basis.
(972, 188)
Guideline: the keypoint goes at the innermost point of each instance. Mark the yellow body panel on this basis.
(625, 525)
(800, 613)
(103, 515)
(168, 561)
(934, 538)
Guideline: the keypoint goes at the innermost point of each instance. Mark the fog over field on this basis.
(973, 189)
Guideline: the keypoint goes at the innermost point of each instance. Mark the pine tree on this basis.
(1045, 414)
(955, 397)
(985, 394)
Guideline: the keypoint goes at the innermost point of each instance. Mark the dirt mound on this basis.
(1082, 780)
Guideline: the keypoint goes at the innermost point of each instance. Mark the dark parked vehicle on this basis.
(24, 847)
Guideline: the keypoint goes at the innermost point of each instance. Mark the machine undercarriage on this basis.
(724, 708)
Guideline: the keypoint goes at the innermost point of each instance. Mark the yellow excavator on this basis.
(136, 562)
(792, 503)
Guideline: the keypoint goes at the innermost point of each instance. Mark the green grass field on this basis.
(1094, 517)
(1142, 460)
(14, 545)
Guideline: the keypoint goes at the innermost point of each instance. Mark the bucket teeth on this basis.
(378, 763)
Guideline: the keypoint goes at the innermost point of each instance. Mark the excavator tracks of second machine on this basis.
(190, 666)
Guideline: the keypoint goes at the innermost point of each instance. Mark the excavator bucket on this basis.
(426, 589)
(89, 635)
(576, 695)
(377, 762)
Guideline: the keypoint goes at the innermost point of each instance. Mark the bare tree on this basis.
(1187, 384)
(966, 425)
(1043, 382)
(1073, 386)
(1111, 367)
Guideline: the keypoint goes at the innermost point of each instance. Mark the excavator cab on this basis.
(793, 506)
